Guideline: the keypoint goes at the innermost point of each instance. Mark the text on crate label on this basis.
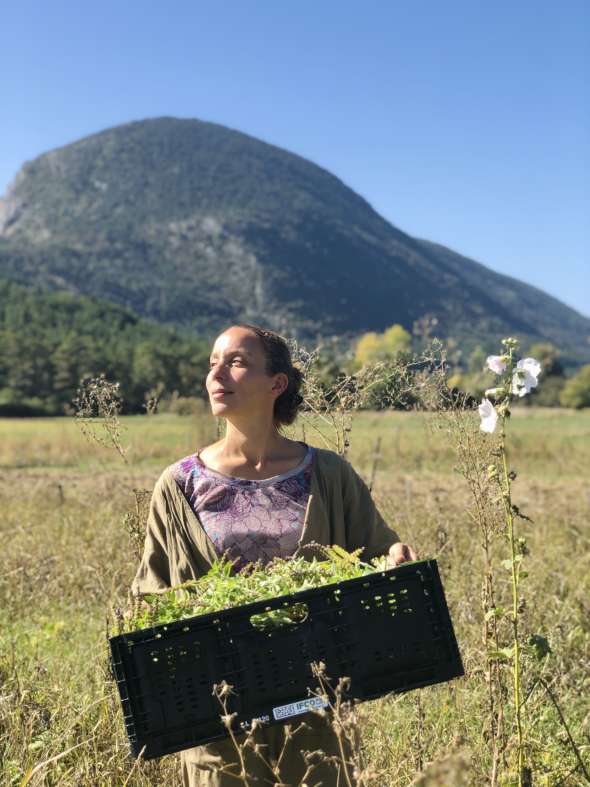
(295, 708)
(263, 719)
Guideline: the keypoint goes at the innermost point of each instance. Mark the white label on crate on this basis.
(295, 708)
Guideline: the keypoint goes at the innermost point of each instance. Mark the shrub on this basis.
(576, 391)
(184, 405)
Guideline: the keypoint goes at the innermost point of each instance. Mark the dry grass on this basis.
(66, 559)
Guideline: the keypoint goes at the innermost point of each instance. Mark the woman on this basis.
(247, 495)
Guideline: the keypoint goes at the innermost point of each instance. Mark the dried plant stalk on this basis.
(97, 406)
(135, 521)
(474, 455)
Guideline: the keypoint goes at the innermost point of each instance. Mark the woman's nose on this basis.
(217, 371)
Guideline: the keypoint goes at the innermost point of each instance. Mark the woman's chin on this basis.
(218, 406)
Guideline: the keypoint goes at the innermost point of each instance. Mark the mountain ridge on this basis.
(194, 224)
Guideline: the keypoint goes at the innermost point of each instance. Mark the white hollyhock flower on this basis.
(524, 377)
(488, 415)
(496, 363)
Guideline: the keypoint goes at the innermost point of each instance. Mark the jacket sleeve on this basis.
(365, 527)
(153, 573)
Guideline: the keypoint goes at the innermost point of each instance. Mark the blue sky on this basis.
(467, 123)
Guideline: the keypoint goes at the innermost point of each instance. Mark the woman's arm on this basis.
(365, 527)
(153, 573)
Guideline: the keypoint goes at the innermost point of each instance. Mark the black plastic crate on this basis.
(388, 632)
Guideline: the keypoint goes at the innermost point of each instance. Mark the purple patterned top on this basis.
(251, 520)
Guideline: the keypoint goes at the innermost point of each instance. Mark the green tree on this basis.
(49, 341)
(548, 394)
(26, 366)
(476, 378)
(192, 367)
(476, 363)
(390, 344)
(395, 341)
(149, 367)
(367, 348)
(576, 391)
(548, 356)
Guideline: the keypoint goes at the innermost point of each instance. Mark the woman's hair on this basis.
(278, 359)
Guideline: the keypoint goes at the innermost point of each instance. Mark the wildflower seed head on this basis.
(222, 689)
(318, 668)
(228, 718)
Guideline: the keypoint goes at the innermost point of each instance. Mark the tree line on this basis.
(50, 341)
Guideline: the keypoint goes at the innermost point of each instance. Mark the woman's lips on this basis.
(219, 394)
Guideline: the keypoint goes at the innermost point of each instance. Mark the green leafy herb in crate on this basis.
(222, 588)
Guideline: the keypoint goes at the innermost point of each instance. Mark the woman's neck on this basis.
(252, 445)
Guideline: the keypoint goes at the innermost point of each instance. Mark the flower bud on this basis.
(495, 393)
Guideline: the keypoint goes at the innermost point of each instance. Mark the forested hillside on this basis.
(50, 341)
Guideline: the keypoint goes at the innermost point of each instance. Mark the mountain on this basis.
(193, 224)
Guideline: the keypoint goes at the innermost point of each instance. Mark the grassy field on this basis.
(67, 559)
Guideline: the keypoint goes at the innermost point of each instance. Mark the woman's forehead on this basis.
(230, 341)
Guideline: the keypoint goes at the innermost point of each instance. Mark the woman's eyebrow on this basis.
(233, 352)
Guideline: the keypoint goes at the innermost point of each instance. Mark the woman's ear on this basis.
(281, 384)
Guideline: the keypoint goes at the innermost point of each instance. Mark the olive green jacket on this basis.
(341, 512)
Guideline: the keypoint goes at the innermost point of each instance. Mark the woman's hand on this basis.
(400, 553)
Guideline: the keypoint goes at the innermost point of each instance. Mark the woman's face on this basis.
(237, 382)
